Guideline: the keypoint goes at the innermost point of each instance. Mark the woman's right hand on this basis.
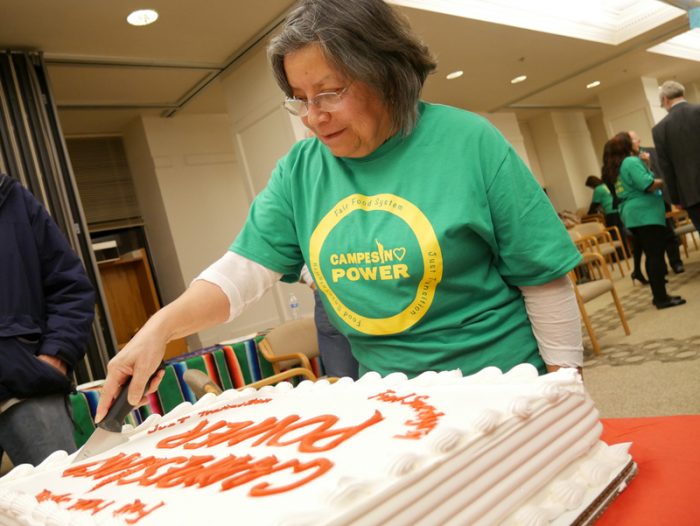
(136, 361)
(201, 306)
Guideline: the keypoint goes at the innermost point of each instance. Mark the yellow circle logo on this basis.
(429, 248)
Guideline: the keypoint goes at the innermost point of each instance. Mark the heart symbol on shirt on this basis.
(399, 253)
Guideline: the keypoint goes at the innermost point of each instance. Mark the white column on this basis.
(692, 92)
(566, 157)
(632, 106)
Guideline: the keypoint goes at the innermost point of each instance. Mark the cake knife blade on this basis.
(108, 433)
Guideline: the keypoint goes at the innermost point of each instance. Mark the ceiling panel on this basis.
(188, 31)
(94, 58)
(120, 85)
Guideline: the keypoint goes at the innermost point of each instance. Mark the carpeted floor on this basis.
(654, 371)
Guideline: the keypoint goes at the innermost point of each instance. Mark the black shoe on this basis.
(670, 301)
(678, 268)
(639, 277)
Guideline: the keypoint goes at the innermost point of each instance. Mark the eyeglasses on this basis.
(326, 101)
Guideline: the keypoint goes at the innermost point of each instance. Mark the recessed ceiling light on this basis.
(142, 17)
(455, 75)
(518, 79)
(593, 84)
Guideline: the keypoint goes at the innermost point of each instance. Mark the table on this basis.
(666, 491)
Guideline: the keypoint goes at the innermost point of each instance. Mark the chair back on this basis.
(592, 228)
(296, 342)
(574, 234)
(599, 283)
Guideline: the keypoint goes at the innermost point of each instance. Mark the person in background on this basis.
(603, 199)
(642, 210)
(404, 211)
(649, 157)
(677, 139)
(334, 348)
(46, 311)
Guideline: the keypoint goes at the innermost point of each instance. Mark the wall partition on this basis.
(33, 150)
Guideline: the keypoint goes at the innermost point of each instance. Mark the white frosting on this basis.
(437, 449)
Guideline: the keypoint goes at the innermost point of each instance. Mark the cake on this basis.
(490, 448)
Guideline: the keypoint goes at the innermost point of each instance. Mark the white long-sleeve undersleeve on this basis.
(242, 280)
(556, 322)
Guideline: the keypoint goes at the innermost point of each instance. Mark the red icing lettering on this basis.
(309, 442)
(47, 495)
(270, 432)
(231, 472)
(202, 475)
(311, 435)
(137, 508)
(321, 465)
(254, 401)
(427, 416)
(91, 505)
(158, 427)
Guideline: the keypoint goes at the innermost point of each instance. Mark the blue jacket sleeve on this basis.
(69, 298)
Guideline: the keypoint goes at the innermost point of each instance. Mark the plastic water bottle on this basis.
(294, 307)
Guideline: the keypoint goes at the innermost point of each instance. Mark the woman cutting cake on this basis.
(431, 244)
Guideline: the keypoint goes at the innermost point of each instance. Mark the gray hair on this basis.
(365, 40)
(671, 90)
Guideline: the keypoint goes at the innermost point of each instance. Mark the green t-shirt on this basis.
(638, 207)
(602, 195)
(418, 248)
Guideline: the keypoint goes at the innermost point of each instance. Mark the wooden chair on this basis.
(289, 348)
(600, 283)
(682, 226)
(595, 236)
(291, 345)
(200, 383)
(589, 218)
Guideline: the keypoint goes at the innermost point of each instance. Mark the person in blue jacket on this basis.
(46, 311)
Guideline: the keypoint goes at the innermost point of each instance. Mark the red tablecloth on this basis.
(666, 491)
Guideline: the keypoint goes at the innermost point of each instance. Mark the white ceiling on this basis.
(105, 72)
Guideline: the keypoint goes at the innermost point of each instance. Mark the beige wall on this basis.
(566, 157)
(263, 132)
(692, 92)
(532, 154)
(154, 211)
(629, 107)
(192, 195)
(599, 136)
(507, 124)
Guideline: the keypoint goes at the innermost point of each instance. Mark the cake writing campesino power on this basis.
(491, 448)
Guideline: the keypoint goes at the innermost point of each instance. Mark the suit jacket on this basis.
(677, 141)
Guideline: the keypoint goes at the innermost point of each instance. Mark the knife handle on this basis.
(121, 407)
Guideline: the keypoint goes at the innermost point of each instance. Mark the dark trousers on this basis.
(673, 251)
(694, 215)
(335, 350)
(671, 246)
(652, 240)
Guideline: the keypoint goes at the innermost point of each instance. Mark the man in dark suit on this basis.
(677, 141)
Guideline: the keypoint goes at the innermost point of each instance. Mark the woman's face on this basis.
(358, 125)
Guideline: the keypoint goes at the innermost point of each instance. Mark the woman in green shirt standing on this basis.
(642, 210)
